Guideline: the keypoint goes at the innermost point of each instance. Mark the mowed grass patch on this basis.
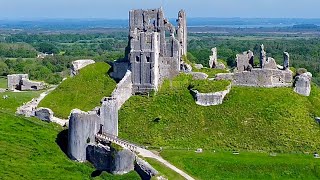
(264, 119)
(16, 99)
(3, 83)
(206, 86)
(211, 72)
(83, 91)
(246, 165)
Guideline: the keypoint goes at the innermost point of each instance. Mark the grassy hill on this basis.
(254, 119)
(246, 165)
(29, 148)
(83, 91)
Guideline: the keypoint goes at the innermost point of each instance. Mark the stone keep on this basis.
(153, 56)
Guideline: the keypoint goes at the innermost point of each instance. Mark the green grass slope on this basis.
(275, 119)
(29, 147)
(83, 91)
(3, 83)
(246, 165)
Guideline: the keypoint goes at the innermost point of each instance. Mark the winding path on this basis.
(28, 109)
(141, 151)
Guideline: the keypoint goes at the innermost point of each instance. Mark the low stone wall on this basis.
(210, 99)
(79, 64)
(123, 90)
(263, 78)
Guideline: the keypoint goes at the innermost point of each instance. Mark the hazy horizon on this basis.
(107, 9)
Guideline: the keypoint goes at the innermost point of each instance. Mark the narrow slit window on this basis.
(148, 59)
(137, 59)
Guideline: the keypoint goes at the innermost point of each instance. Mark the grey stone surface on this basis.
(210, 99)
(79, 64)
(120, 69)
(83, 126)
(286, 60)
(224, 76)
(44, 114)
(270, 63)
(199, 75)
(22, 82)
(123, 162)
(100, 156)
(263, 56)
(213, 60)
(198, 66)
(153, 56)
(109, 116)
(243, 61)
(144, 169)
(302, 84)
(264, 78)
(123, 90)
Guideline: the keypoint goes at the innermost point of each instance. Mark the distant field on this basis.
(3, 82)
(246, 165)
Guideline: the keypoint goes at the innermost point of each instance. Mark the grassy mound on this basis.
(83, 91)
(246, 165)
(275, 119)
(211, 72)
(206, 86)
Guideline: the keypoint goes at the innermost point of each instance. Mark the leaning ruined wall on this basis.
(210, 99)
(123, 90)
(83, 127)
(263, 78)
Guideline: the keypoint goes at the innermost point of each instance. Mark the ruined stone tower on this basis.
(154, 56)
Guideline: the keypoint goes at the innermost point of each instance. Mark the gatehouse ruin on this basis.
(21, 82)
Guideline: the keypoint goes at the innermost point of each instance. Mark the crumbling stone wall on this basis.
(21, 82)
(79, 64)
(210, 99)
(302, 84)
(244, 61)
(123, 90)
(153, 56)
(213, 60)
(263, 78)
(83, 126)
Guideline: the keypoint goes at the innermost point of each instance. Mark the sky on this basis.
(118, 9)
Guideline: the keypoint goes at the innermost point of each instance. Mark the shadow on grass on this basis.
(62, 141)
(96, 173)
